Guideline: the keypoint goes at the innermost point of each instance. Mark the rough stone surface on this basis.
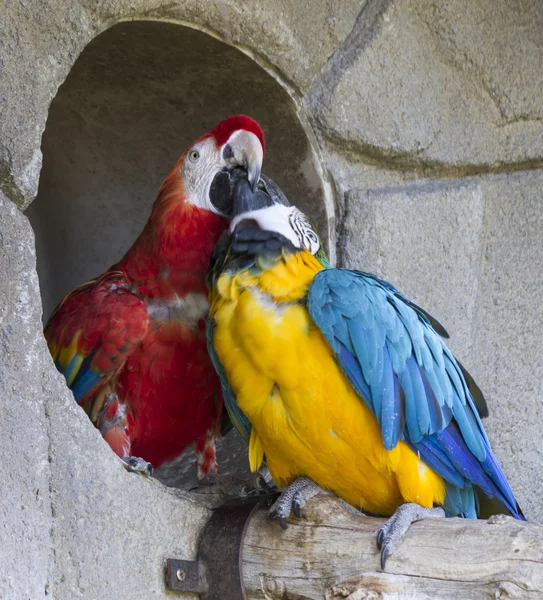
(508, 336)
(424, 239)
(26, 553)
(470, 252)
(38, 45)
(41, 41)
(498, 44)
(439, 85)
(112, 529)
(75, 524)
(136, 98)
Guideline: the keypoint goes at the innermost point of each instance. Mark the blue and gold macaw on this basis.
(337, 380)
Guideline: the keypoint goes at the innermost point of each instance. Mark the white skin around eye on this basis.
(204, 160)
(198, 172)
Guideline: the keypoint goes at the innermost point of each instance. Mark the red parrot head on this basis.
(193, 207)
(206, 173)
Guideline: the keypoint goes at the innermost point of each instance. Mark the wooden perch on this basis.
(331, 554)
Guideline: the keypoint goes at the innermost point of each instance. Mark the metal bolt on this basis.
(180, 575)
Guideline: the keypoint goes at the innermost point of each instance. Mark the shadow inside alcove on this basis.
(135, 98)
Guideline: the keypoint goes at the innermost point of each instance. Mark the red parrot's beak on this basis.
(245, 150)
(243, 154)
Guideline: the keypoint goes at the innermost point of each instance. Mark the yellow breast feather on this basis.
(298, 400)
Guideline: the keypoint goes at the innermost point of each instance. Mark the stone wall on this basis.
(418, 134)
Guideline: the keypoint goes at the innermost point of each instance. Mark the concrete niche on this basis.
(135, 98)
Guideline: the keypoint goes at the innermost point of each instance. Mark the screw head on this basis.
(180, 575)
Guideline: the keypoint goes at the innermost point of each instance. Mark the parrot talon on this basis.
(135, 464)
(384, 555)
(391, 533)
(293, 499)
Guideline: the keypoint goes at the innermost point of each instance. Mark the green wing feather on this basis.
(239, 420)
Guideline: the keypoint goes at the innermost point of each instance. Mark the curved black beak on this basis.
(266, 193)
(221, 192)
(246, 150)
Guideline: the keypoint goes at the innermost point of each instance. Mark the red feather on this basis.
(148, 382)
(226, 128)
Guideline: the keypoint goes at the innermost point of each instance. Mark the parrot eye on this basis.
(194, 155)
(227, 152)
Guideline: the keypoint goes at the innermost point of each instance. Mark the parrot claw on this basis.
(293, 499)
(380, 538)
(391, 533)
(135, 464)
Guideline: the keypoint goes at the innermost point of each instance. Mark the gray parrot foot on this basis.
(293, 499)
(393, 530)
(135, 464)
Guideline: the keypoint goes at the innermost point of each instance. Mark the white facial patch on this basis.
(204, 160)
(286, 220)
(306, 234)
(198, 174)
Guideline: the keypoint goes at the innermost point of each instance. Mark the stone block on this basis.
(38, 45)
(508, 328)
(424, 239)
(438, 86)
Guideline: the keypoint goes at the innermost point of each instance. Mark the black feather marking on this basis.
(273, 190)
(245, 200)
(476, 393)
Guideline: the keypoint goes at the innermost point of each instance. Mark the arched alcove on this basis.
(135, 98)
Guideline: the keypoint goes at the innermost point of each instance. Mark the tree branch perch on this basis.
(331, 554)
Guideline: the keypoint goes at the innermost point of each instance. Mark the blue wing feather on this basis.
(86, 379)
(391, 351)
(353, 371)
(72, 368)
(390, 402)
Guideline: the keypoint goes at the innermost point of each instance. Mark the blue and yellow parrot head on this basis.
(267, 210)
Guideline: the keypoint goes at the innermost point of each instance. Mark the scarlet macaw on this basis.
(131, 343)
(337, 380)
